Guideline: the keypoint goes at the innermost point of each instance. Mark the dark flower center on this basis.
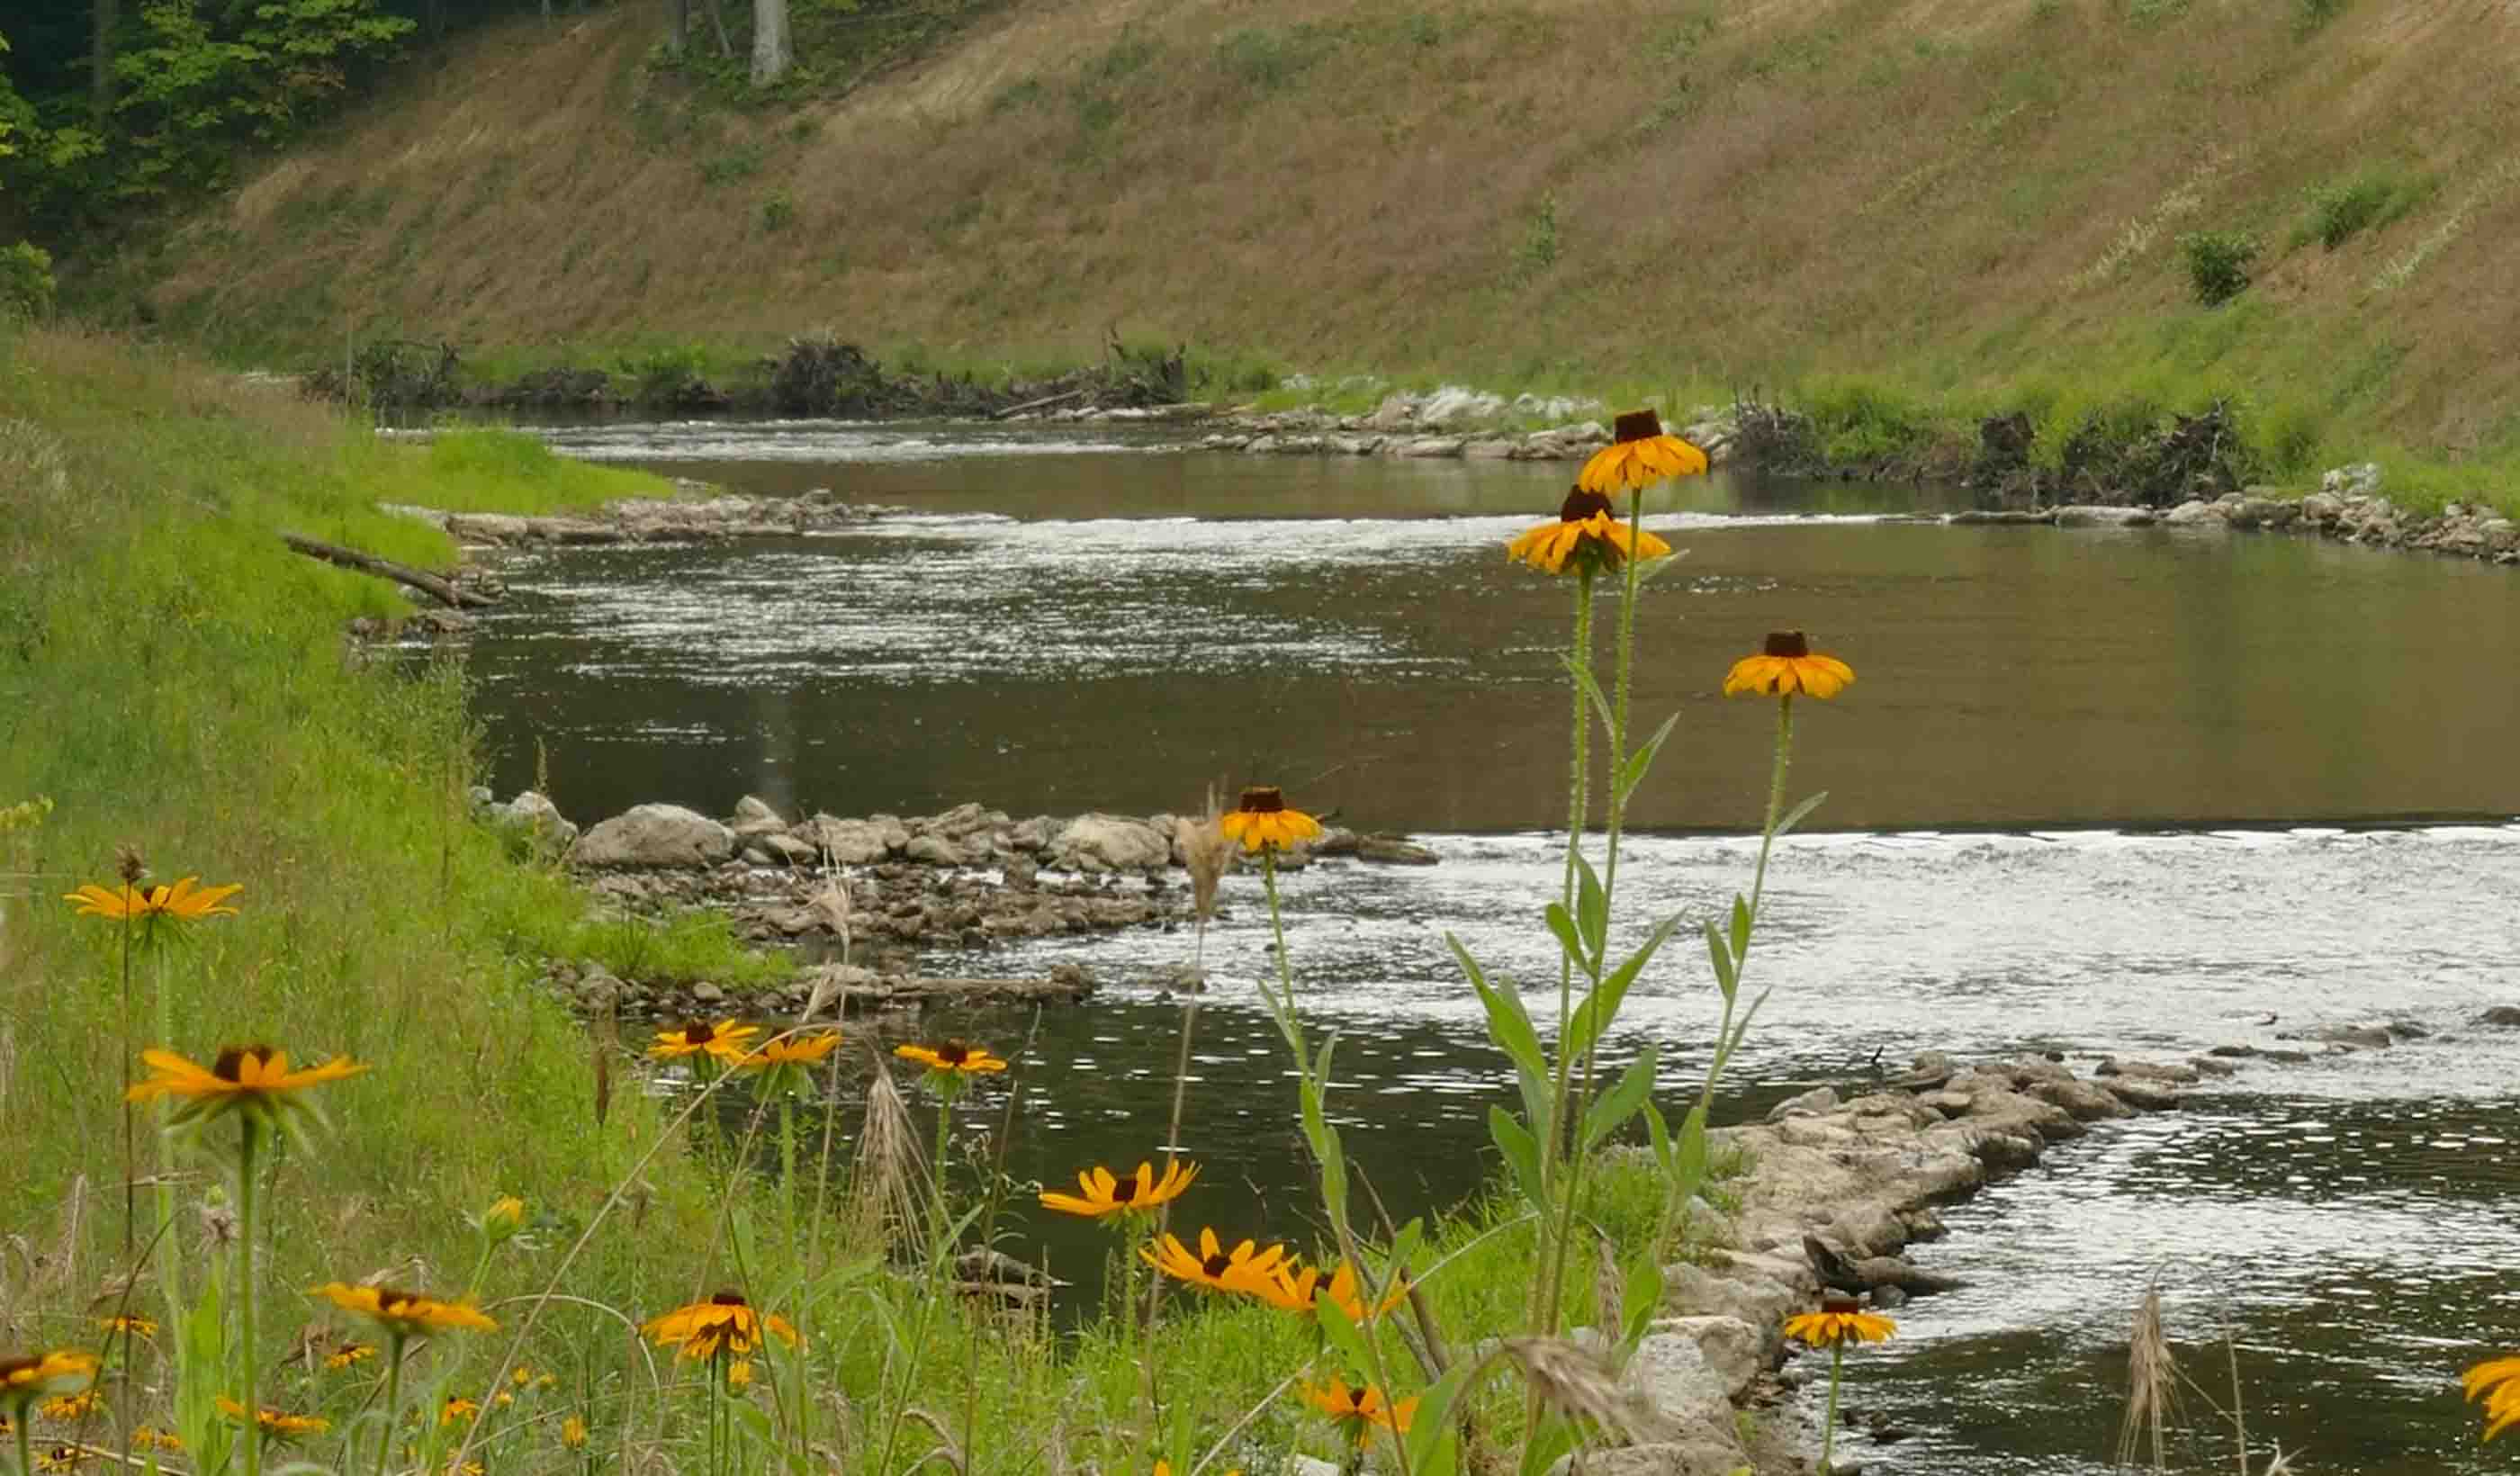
(392, 1302)
(1787, 643)
(697, 1033)
(954, 1052)
(1839, 1306)
(10, 1368)
(230, 1066)
(1638, 426)
(1125, 1191)
(1581, 504)
(1263, 800)
(1215, 1265)
(1356, 1400)
(729, 1299)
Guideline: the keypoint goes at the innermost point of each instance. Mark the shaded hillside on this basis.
(1959, 194)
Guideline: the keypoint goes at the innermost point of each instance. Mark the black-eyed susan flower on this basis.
(44, 1375)
(128, 1325)
(1839, 1321)
(465, 1468)
(1587, 537)
(792, 1051)
(1358, 1410)
(724, 1323)
(1165, 1468)
(458, 1407)
(273, 1423)
(253, 1078)
(1262, 821)
(67, 1406)
(147, 1436)
(406, 1314)
(1245, 1269)
(186, 901)
(739, 1373)
(524, 1377)
(1787, 665)
(503, 1219)
(63, 1458)
(1303, 1289)
(1106, 1193)
(1640, 454)
(725, 1040)
(2497, 1381)
(572, 1433)
(951, 1057)
(349, 1355)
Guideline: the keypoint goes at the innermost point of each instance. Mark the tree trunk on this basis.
(717, 17)
(678, 25)
(101, 58)
(772, 54)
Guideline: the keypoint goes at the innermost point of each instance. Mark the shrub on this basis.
(2340, 212)
(777, 212)
(2309, 15)
(1538, 251)
(665, 376)
(2218, 263)
(26, 281)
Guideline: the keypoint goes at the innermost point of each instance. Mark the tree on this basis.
(101, 61)
(772, 54)
(678, 25)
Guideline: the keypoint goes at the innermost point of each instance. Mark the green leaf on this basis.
(1521, 1154)
(1688, 1162)
(1592, 910)
(1325, 1141)
(1343, 1333)
(1592, 689)
(1721, 957)
(1543, 1447)
(1641, 1299)
(1794, 817)
(1632, 772)
(1509, 1026)
(1602, 1005)
(1615, 1106)
(1740, 925)
(1562, 926)
(1659, 1131)
(1435, 1418)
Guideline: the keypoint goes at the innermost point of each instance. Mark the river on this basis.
(2140, 791)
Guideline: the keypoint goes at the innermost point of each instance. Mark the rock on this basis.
(2088, 1103)
(1688, 1395)
(754, 817)
(788, 850)
(2501, 1014)
(1488, 450)
(2320, 508)
(537, 818)
(654, 835)
(1393, 414)
(1391, 850)
(1732, 1348)
(1112, 844)
(1707, 1454)
(2361, 479)
(2194, 513)
(1431, 446)
(2177, 1072)
(934, 850)
(854, 842)
(1758, 1301)
(2087, 517)
(1810, 1103)
(1887, 1297)
(2143, 1094)
(2361, 1037)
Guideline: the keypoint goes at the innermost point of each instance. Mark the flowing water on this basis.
(2095, 791)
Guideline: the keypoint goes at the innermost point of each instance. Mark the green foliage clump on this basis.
(1270, 61)
(2218, 263)
(2312, 16)
(26, 281)
(777, 211)
(1862, 421)
(2341, 210)
(1537, 252)
(664, 375)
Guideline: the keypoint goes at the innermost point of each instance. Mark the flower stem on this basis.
(944, 1121)
(1776, 802)
(394, 1400)
(249, 1132)
(788, 1162)
(1291, 1024)
(25, 1455)
(1577, 813)
(1828, 1421)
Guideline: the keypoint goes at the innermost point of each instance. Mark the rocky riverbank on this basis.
(862, 898)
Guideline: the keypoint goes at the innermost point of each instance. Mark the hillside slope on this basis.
(1959, 194)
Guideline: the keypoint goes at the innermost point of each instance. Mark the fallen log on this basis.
(1045, 401)
(385, 568)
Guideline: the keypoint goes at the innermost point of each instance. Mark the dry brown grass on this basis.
(1742, 191)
